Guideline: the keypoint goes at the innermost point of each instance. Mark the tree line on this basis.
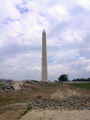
(64, 78)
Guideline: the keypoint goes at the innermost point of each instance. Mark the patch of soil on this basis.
(57, 115)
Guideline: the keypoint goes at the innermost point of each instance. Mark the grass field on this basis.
(81, 85)
(1, 85)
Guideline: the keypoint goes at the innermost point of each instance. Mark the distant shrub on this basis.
(63, 78)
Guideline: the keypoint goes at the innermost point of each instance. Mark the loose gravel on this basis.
(68, 103)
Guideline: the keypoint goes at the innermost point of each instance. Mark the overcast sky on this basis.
(67, 23)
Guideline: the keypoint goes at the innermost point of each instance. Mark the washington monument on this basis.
(44, 58)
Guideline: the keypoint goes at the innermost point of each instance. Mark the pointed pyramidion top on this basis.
(44, 31)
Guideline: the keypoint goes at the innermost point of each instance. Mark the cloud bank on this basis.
(67, 24)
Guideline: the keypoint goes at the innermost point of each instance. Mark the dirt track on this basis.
(57, 115)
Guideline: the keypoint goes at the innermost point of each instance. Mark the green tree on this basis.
(63, 78)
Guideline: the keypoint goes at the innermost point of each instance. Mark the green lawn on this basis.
(1, 85)
(81, 85)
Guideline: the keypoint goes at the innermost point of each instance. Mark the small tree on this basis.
(63, 78)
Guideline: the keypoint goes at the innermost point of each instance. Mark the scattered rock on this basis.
(17, 85)
(68, 103)
(11, 86)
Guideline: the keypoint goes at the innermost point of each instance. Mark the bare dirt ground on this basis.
(13, 105)
(61, 93)
(57, 115)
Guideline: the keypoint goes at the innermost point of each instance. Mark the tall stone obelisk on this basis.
(44, 58)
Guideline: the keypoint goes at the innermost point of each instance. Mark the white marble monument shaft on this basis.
(44, 58)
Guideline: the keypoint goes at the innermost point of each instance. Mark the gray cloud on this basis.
(67, 24)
